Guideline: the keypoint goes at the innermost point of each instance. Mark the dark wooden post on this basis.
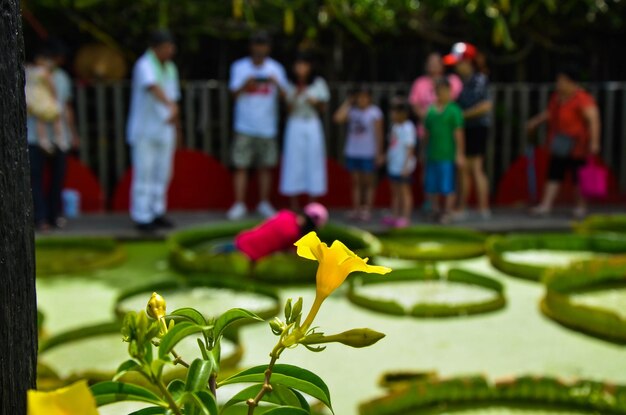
(18, 316)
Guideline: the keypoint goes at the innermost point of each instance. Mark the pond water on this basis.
(408, 294)
(106, 352)
(209, 301)
(613, 300)
(545, 258)
(517, 340)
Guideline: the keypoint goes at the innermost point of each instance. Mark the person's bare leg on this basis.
(406, 201)
(449, 202)
(240, 182)
(265, 184)
(356, 191)
(294, 204)
(580, 209)
(549, 195)
(395, 200)
(434, 203)
(482, 183)
(465, 185)
(369, 190)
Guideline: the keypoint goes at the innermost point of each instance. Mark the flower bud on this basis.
(353, 338)
(277, 326)
(156, 307)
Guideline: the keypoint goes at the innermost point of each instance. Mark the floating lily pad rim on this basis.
(114, 327)
(602, 223)
(472, 392)
(116, 256)
(498, 245)
(269, 270)
(561, 283)
(428, 309)
(226, 281)
(473, 240)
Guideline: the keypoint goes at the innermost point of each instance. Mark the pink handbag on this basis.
(593, 179)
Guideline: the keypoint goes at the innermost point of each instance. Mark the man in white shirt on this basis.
(256, 83)
(151, 131)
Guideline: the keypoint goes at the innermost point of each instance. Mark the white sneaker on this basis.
(237, 211)
(265, 209)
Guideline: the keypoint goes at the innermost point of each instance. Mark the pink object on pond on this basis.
(593, 180)
(276, 234)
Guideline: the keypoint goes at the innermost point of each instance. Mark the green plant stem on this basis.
(179, 360)
(168, 397)
(267, 387)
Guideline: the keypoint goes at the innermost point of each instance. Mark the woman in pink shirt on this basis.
(422, 94)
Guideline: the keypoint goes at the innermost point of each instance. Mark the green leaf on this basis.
(111, 392)
(128, 366)
(230, 317)
(201, 400)
(198, 375)
(287, 375)
(286, 410)
(179, 332)
(176, 388)
(279, 395)
(190, 314)
(154, 410)
(304, 404)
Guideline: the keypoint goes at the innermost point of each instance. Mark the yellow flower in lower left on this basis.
(75, 399)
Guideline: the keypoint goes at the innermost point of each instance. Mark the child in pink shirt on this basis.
(281, 231)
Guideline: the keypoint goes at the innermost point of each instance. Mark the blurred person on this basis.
(50, 141)
(423, 95)
(476, 104)
(573, 136)
(445, 150)
(401, 164)
(277, 233)
(256, 83)
(151, 131)
(363, 150)
(304, 157)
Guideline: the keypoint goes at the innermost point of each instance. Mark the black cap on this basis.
(305, 56)
(261, 37)
(160, 36)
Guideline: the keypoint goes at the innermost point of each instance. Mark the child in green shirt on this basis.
(444, 143)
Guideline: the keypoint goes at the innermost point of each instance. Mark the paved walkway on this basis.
(503, 220)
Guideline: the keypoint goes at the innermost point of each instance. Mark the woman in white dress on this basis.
(304, 156)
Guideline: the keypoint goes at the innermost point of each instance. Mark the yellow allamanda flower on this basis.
(72, 400)
(335, 264)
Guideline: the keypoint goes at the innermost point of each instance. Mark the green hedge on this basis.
(580, 277)
(427, 310)
(456, 243)
(278, 268)
(428, 395)
(497, 246)
(65, 255)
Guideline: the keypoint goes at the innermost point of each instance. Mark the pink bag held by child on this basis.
(593, 179)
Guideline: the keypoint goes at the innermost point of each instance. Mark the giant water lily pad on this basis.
(64, 255)
(203, 250)
(589, 296)
(211, 296)
(95, 353)
(530, 255)
(602, 223)
(476, 395)
(424, 292)
(432, 243)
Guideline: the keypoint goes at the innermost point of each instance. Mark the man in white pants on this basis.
(151, 131)
(256, 83)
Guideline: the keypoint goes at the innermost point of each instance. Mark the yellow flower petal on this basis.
(310, 247)
(75, 399)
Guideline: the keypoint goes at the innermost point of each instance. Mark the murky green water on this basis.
(517, 340)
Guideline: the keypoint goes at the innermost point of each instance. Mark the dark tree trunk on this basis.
(18, 317)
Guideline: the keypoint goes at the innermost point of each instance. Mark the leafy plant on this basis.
(153, 335)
